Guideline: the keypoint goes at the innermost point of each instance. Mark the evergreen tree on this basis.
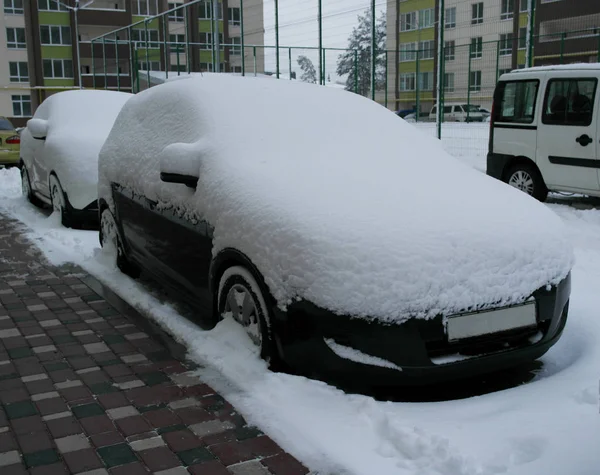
(309, 73)
(360, 41)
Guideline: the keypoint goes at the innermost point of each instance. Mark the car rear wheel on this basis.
(26, 187)
(109, 238)
(527, 178)
(240, 294)
(59, 202)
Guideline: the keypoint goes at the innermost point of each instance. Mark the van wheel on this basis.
(528, 179)
(109, 237)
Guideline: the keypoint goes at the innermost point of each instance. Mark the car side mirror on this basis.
(38, 128)
(180, 164)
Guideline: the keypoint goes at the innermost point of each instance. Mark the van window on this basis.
(569, 101)
(458, 109)
(447, 109)
(515, 101)
(434, 110)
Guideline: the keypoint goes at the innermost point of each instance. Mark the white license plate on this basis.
(494, 321)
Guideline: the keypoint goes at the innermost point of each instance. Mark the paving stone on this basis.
(146, 444)
(42, 396)
(135, 468)
(173, 471)
(195, 455)
(72, 443)
(51, 406)
(153, 378)
(165, 430)
(12, 332)
(209, 468)
(13, 395)
(16, 353)
(107, 438)
(27, 424)
(160, 458)
(133, 425)
(43, 457)
(136, 383)
(122, 412)
(87, 410)
(17, 410)
(183, 403)
(9, 458)
(68, 384)
(41, 386)
(284, 464)
(7, 441)
(34, 442)
(56, 366)
(50, 323)
(52, 469)
(94, 348)
(63, 427)
(82, 460)
(44, 349)
(57, 415)
(231, 453)
(211, 427)
(116, 455)
(97, 425)
(136, 358)
(77, 395)
(193, 415)
(249, 468)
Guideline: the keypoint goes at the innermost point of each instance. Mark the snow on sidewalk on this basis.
(550, 425)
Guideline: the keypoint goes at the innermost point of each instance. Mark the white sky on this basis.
(298, 26)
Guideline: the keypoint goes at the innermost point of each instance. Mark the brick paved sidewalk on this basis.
(84, 389)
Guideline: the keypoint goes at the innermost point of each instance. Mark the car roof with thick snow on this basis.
(334, 199)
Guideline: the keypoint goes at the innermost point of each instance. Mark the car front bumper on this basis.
(496, 164)
(413, 347)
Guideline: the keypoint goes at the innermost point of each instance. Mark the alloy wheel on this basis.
(241, 303)
(25, 186)
(522, 180)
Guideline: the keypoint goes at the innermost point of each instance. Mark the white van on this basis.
(544, 130)
(459, 112)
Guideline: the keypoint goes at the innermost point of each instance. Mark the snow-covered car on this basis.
(320, 233)
(59, 152)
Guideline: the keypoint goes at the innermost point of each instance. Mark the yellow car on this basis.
(10, 144)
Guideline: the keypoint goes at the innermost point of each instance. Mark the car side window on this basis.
(569, 102)
(458, 109)
(434, 110)
(447, 109)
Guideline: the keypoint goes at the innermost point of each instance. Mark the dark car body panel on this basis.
(178, 253)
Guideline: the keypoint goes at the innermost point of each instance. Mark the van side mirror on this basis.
(180, 165)
(38, 128)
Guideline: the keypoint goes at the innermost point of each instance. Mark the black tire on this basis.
(527, 178)
(124, 265)
(26, 188)
(240, 278)
(60, 203)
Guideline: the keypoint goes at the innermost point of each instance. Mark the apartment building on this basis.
(38, 47)
(482, 39)
(568, 32)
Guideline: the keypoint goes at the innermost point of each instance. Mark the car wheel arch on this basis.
(519, 160)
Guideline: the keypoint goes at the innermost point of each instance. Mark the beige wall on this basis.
(8, 55)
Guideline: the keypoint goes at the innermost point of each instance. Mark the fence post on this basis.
(386, 80)
(117, 60)
(178, 61)
(254, 54)
(356, 71)
(320, 14)
(104, 62)
(131, 59)
(469, 81)
(440, 80)
(598, 48)
(562, 47)
(188, 61)
(137, 70)
(242, 37)
(147, 52)
(323, 68)
(212, 36)
(277, 37)
(531, 33)
(373, 49)
(417, 88)
(497, 60)
(166, 55)
(290, 61)
(93, 67)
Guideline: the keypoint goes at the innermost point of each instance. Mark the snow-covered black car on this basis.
(346, 242)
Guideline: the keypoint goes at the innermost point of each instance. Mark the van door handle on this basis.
(584, 140)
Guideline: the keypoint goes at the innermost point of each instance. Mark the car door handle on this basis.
(584, 140)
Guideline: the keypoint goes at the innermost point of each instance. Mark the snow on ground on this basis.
(550, 425)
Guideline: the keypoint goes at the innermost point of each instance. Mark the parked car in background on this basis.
(9, 144)
(59, 152)
(458, 112)
(545, 128)
(315, 251)
(404, 112)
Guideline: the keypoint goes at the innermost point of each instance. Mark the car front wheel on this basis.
(240, 295)
(59, 202)
(109, 238)
(527, 178)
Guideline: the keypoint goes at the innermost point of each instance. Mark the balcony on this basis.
(110, 52)
(124, 81)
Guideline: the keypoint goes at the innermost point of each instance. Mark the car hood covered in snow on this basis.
(335, 199)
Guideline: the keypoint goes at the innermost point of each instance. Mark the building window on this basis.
(426, 18)
(181, 68)
(426, 81)
(506, 44)
(475, 81)
(522, 38)
(178, 39)
(504, 71)
(476, 47)
(206, 67)
(154, 66)
(477, 13)
(449, 82)
(407, 82)
(236, 69)
(177, 15)
(145, 7)
(13, 7)
(426, 49)
(235, 16)
(507, 9)
(19, 71)
(206, 41)
(524, 6)
(449, 50)
(51, 6)
(407, 52)
(15, 38)
(55, 35)
(139, 38)
(205, 10)
(408, 21)
(236, 50)
(21, 106)
(450, 18)
(58, 68)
